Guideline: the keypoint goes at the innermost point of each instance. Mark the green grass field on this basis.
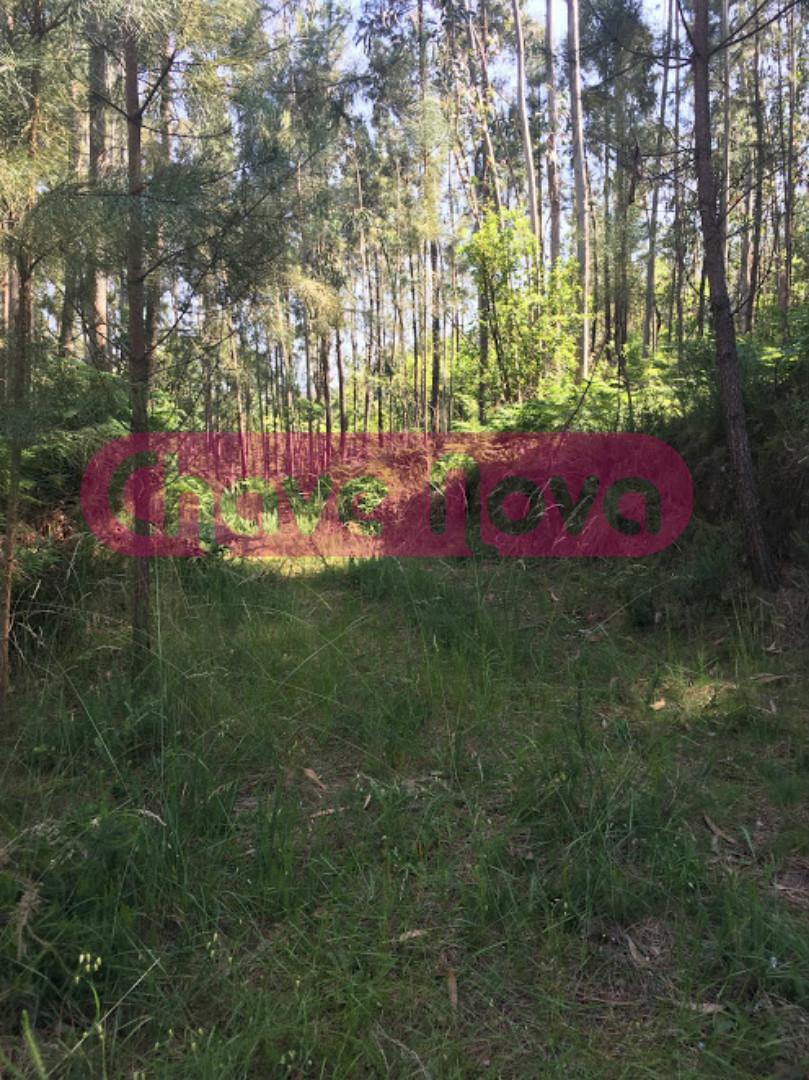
(410, 819)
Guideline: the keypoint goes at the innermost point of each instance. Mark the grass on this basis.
(446, 819)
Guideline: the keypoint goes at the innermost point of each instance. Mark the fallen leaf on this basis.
(720, 832)
(26, 906)
(635, 953)
(658, 705)
(411, 935)
(452, 989)
(367, 801)
(794, 883)
(310, 774)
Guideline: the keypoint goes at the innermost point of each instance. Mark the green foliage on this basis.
(532, 324)
(76, 409)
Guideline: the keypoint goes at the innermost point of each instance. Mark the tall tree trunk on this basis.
(72, 277)
(621, 315)
(593, 265)
(154, 291)
(355, 373)
(139, 373)
(435, 387)
(701, 300)
(451, 310)
(724, 187)
(649, 306)
(368, 308)
(377, 299)
(9, 317)
(97, 169)
(727, 360)
(325, 380)
(425, 330)
(487, 187)
(341, 390)
(414, 322)
(21, 321)
(307, 361)
(677, 224)
(242, 405)
(758, 194)
(789, 168)
(478, 39)
(554, 198)
(525, 133)
(580, 187)
(20, 342)
(745, 256)
(428, 195)
(483, 313)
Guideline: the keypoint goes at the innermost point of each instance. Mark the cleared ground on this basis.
(411, 819)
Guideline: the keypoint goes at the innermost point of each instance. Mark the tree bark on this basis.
(758, 192)
(478, 40)
(677, 224)
(724, 188)
(18, 374)
(97, 169)
(727, 360)
(139, 373)
(72, 275)
(341, 392)
(607, 252)
(554, 198)
(325, 380)
(580, 187)
(621, 286)
(789, 169)
(435, 385)
(649, 335)
(22, 316)
(154, 291)
(525, 133)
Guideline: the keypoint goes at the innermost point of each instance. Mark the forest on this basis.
(411, 811)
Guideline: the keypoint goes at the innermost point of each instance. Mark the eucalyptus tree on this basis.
(400, 40)
(473, 36)
(190, 218)
(554, 196)
(134, 39)
(617, 46)
(580, 183)
(531, 197)
(727, 359)
(760, 158)
(98, 166)
(649, 325)
(34, 158)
